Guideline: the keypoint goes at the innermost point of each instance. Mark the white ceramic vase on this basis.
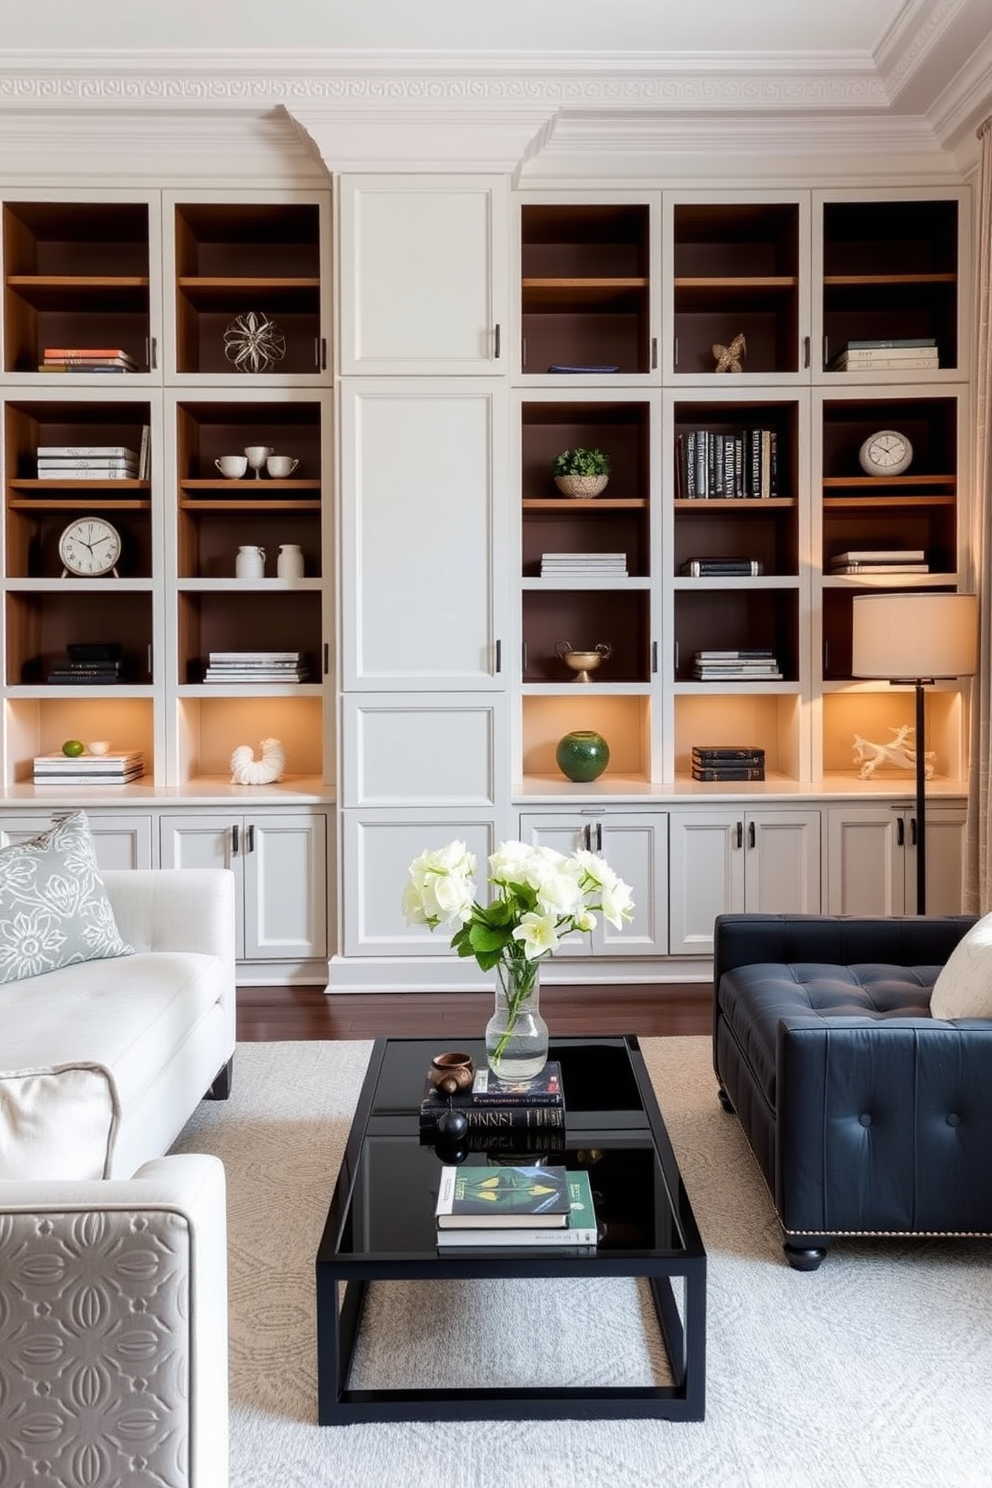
(250, 563)
(289, 564)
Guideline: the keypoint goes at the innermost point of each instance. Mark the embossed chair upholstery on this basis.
(113, 1329)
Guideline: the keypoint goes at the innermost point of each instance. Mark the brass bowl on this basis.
(583, 662)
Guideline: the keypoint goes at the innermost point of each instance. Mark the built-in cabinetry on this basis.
(220, 304)
(424, 415)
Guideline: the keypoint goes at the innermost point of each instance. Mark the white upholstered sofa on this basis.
(113, 1267)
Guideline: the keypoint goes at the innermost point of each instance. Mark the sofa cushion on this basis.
(132, 1014)
(54, 909)
(58, 1122)
(754, 999)
(964, 987)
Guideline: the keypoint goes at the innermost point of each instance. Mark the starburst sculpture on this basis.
(254, 343)
(730, 358)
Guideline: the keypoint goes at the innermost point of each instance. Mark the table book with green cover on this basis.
(477, 1197)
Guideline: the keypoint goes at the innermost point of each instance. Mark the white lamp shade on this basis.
(911, 636)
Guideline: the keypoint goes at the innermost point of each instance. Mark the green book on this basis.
(474, 1197)
(579, 1232)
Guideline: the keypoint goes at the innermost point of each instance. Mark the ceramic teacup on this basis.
(280, 466)
(232, 466)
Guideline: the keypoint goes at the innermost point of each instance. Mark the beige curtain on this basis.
(978, 882)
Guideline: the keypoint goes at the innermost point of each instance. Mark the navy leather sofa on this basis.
(866, 1115)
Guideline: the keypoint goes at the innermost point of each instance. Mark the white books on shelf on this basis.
(839, 570)
(880, 555)
(84, 451)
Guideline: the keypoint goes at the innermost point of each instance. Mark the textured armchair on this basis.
(113, 1329)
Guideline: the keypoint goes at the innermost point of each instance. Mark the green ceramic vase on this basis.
(582, 755)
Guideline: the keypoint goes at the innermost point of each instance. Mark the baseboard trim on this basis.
(450, 974)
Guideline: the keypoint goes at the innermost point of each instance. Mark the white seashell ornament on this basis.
(247, 770)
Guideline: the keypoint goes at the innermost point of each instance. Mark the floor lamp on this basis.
(915, 638)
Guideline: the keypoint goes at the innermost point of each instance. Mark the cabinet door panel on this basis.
(423, 560)
(782, 869)
(121, 841)
(285, 887)
(424, 262)
(205, 841)
(865, 868)
(945, 862)
(706, 873)
(637, 849)
(424, 750)
(378, 849)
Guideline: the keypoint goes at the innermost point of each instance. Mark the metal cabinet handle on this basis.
(235, 840)
(499, 656)
(654, 353)
(496, 342)
(900, 832)
(250, 839)
(740, 834)
(751, 838)
(912, 831)
(806, 351)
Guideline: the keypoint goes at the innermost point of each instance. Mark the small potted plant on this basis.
(581, 472)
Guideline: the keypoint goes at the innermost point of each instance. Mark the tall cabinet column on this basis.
(424, 662)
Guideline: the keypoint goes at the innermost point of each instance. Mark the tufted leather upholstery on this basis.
(866, 1114)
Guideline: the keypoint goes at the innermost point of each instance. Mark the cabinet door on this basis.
(424, 262)
(378, 848)
(636, 847)
(706, 871)
(945, 861)
(424, 563)
(782, 862)
(121, 840)
(285, 864)
(206, 840)
(865, 861)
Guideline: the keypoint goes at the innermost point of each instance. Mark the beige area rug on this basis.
(874, 1372)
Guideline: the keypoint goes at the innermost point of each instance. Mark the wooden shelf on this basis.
(563, 505)
(865, 482)
(875, 280)
(101, 490)
(734, 503)
(865, 503)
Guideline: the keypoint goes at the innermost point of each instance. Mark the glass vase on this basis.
(516, 1034)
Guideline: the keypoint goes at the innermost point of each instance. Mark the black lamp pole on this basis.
(921, 802)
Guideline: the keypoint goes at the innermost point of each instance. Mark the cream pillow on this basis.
(54, 909)
(964, 987)
(59, 1122)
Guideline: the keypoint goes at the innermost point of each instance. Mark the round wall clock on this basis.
(886, 453)
(89, 548)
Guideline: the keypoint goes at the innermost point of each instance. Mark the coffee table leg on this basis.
(685, 1344)
(337, 1333)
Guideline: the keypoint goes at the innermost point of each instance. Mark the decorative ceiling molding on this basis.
(913, 37)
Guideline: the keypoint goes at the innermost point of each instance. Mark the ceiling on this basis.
(537, 87)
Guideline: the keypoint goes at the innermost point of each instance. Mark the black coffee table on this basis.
(380, 1226)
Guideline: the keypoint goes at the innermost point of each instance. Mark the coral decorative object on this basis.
(247, 770)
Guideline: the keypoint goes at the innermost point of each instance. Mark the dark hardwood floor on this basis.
(281, 1013)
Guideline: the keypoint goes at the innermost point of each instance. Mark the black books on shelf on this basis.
(579, 1229)
(472, 1197)
(741, 466)
(727, 762)
(722, 568)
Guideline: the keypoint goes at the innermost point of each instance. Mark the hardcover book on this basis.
(580, 1227)
(544, 1089)
(474, 1197)
(505, 1117)
(748, 754)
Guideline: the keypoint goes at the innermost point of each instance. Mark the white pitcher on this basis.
(250, 563)
(289, 564)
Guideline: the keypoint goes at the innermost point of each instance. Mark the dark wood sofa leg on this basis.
(221, 1088)
(806, 1257)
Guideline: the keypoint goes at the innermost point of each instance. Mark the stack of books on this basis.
(86, 359)
(745, 665)
(868, 562)
(494, 1105)
(515, 1205)
(101, 462)
(727, 762)
(911, 353)
(257, 666)
(587, 367)
(89, 665)
(722, 568)
(116, 767)
(583, 565)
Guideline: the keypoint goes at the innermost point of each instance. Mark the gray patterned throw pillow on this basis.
(54, 909)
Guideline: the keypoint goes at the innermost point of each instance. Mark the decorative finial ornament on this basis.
(730, 358)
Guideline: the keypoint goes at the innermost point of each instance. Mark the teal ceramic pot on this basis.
(582, 755)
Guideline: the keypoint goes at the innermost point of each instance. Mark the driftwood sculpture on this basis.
(899, 754)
